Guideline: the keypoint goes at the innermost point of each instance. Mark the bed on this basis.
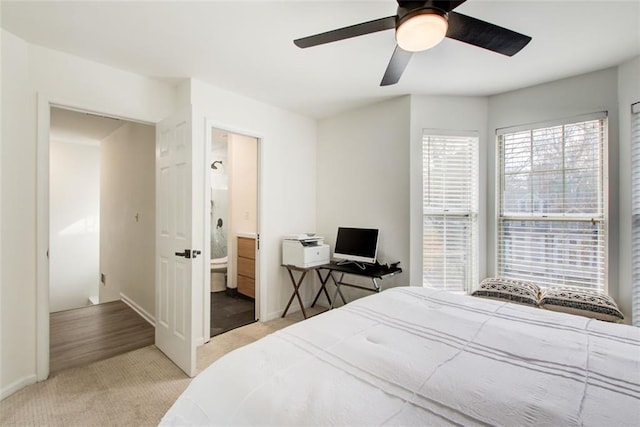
(420, 356)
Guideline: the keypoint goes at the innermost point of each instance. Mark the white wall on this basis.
(74, 224)
(287, 177)
(75, 81)
(2, 99)
(127, 216)
(243, 181)
(450, 113)
(584, 94)
(29, 71)
(363, 180)
(243, 195)
(628, 93)
(18, 311)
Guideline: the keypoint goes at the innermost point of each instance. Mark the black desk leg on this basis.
(337, 291)
(296, 287)
(323, 287)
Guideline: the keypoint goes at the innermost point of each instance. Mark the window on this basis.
(450, 210)
(635, 211)
(552, 207)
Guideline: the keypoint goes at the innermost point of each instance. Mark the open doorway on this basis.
(234, 236)
(101, 236)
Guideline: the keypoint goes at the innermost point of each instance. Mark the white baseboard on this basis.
(273, 315)
(141, 311)
(17, 385)
(292, 309)
(147, 316)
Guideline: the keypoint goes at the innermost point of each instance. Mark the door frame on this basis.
(261, 294)
(44, 105)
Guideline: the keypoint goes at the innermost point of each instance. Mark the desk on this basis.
(297, 283)
(372, 271)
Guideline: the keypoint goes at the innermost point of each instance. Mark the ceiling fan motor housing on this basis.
(408, 9)
(420, 25)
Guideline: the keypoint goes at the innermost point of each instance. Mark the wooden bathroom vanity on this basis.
(246, 262)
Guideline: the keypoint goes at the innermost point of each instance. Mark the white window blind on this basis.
(552, 207)
(450, 207)
(635, 211)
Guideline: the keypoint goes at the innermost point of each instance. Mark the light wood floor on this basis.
(88, 334)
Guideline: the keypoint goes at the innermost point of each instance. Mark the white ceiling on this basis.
(80, 128)
(246, 46)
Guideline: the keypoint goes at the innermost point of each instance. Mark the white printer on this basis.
(304, 250)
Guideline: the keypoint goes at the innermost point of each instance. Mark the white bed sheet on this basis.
(419, 356)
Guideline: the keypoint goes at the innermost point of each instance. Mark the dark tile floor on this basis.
(230, 312)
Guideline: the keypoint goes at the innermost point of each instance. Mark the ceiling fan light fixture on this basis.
(421, 30)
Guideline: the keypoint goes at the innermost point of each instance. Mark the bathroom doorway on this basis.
(234, 237)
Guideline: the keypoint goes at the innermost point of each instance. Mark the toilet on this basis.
(219, 266)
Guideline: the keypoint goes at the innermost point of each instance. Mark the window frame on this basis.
(635, 213)
(499, 185)
(473, 214)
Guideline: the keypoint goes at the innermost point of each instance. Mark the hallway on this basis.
(84, 335)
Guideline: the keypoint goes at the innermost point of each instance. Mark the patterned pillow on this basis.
(582, 302)
(508, 289)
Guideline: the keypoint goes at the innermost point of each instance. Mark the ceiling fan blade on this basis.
(361, 29)
(398, 62)
(483, 34)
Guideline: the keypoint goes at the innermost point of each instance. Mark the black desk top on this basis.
(377, 271)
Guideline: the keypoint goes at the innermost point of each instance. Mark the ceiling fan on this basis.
(420, 25)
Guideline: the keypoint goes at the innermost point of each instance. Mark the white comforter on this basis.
(419, 356)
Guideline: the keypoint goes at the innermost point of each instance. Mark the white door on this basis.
(175, 248)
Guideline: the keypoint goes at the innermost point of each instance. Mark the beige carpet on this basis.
(132, 389)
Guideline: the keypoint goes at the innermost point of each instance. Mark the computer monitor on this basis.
(356, 244)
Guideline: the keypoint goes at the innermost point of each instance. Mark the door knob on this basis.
(186, 253)
(189, 253)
